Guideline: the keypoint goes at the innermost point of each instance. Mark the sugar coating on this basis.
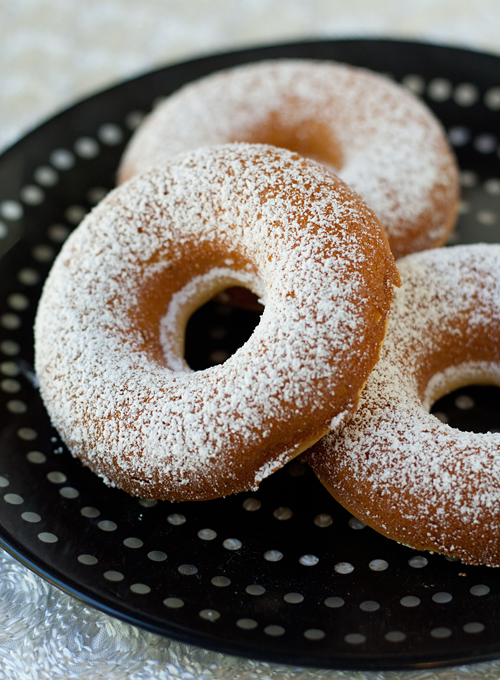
(381, 140)
(395, 465)
(109, 327)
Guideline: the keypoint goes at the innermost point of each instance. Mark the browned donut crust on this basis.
(394, 465)
(379, 138)
(111, 321)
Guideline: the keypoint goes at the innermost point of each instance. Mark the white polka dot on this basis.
(90, 512)
(10, 386)
(27, 434)
(173, 603)
(492, 187)
(13, 499)
(441, 416)
(252, 504)
(36, 457)
(207, 534)
(274, 631)
(10, 321)
(466, 94)
(62, 159)
(486, 217)
(418, 562)
(133, 119)
(18, 301)
(323, 520)
(86, 147)
(293, 598)
(107, 525)
(47, 537)
(369, 606)
(246, 624)
(474, 627)
(132, 542)
(395, 636)
(459, 135)
(255, 590)
(3, 230)
(43, 253)
(410, 601)
(140, 588)
(75, 214)
(273, 555)
(314, 634)
(16, 406)
(439, 89)
(176, 519)
(31, 517)
(378, 565)
(221, 581)
(32, 195)
(492, 98)
(479, 590)
(88, 560)
(9, 368)
(209, 614)
(344, 568)
(110, 134)
(4, 482)
(283, 513)
(58, 233)
(10, 347)
(29, 277)
(355, 639)
(232, 544)
(441, 633)
(46, 176)
(56, 477)
(187, 569)
(485, 143)
(148, 502)
(334, 602)
(442, 598)
(113, 575)
(219, 356)
(157, 556)
(468, 179)
(309, 560)
(414, 83)
(356, 524)
(11, 210)
(96, 194)
(69, 492)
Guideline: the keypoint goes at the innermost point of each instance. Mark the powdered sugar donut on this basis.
(381, 140)
(396, 466)
(110, 325)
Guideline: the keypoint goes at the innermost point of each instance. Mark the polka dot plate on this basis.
(283, 574)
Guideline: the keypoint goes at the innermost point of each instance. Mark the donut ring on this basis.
(396, 466)
(110, 325)
(380, 139)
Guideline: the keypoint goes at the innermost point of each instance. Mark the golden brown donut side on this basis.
(394, 465)
(110, 326)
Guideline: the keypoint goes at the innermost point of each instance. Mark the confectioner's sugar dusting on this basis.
(392, 441)
(90, 354)
(391, 146)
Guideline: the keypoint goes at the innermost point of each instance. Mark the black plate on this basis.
(284, 574)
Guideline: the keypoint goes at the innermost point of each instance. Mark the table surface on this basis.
(55, 52)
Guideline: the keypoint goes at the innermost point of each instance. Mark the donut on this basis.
(396, 466)
(380, 139)
(109, 328)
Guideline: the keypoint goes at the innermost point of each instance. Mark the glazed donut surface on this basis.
(110, 325)
(381, 140)
(394, 465)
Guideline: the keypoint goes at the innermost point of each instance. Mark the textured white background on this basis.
(53, 52)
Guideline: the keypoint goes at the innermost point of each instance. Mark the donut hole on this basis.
(473, 408)
(311, 138)
(217, 329)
